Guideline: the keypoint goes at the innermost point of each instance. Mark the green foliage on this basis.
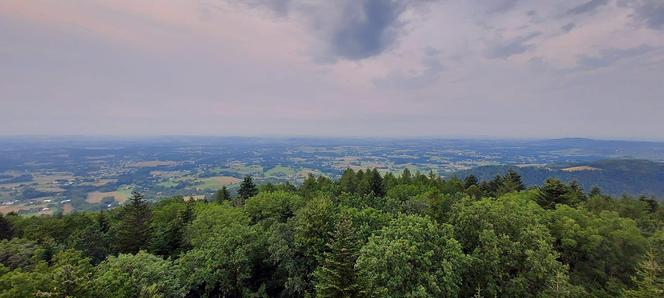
(376, 186)
(210, 218)
(312, 225)
(22, 283)
(556, 192)
(412, 257)
(247, 189)
(6, 230)
(511, 182)
(71, 275)
(222, 195)
(649, 279)
(21, 253)
(170, 218)
(271, 207)
(509, 246)
(598, 248)
(139, 275)
(133, 230)
(469, 181)
(226, 264)
(336, 276)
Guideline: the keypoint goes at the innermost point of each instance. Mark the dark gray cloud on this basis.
(587, 7)
(610, 56)
(496, 6)
(506, 49)
(651, 13)
(366, 29)
(350, 29)
(278, 7)
(568, 27)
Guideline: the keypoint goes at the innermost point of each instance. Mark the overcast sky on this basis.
(455, 68)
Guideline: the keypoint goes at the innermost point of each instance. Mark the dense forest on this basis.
(363, 235)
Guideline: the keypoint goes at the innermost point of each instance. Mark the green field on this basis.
(279, 171)
(216, 182)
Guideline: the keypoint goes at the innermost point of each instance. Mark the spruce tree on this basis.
(347, 181)
(336, 276)
(551, 193)
(469, 181)
(6, 230)
(376, 184)
(134, 230)
(406, 177)
(649, 279)
(514, 181)
(222, 195)
(102, 222)
(247, 188)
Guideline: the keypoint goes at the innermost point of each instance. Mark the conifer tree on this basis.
(406, 177)
(309, 186)
(469, 181)
(336, 276)
(6, 231)
(649, 279)
(551, 193)
(376, 184)
(134, 230)
(102, 222)
(363, 187)
(514, 181)
(247, 188)
(222, 195)
(347, 181)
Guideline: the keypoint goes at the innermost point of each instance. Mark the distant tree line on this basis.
(366, 234)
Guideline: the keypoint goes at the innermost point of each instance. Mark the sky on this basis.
(384, 68)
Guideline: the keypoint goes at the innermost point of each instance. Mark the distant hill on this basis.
(613, 176)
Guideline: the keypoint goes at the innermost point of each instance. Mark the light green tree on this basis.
(412, 257)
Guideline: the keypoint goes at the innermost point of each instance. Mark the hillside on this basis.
(613, 176)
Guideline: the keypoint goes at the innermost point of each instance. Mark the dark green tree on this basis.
(247, 188)
(406, 177)
(513, 182)
(102, 222)
(93, 242)
(336, 276)
(133, 231)
(649, 279)
(309, 186)
(6, 230)
(376, 184)
(347, 181)
(469, 181)
(222, 195)
(551, 193)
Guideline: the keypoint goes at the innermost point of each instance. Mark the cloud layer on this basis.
(505, 68)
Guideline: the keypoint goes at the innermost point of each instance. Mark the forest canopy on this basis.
(365, 234)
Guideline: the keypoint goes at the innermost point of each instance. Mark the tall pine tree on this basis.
(222, 195)
(247, 188)
(376, 184)
(6, 230)
(134, 230)
(347, 181)
(336, 276)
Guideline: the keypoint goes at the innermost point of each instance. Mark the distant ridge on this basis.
(614, 176)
